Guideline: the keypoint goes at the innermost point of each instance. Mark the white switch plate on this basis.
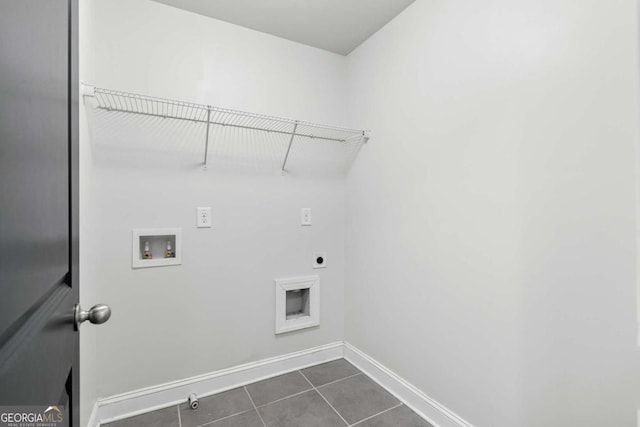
(204, 217)
(305, 216)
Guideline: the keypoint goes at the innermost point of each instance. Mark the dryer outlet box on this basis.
(320, 260)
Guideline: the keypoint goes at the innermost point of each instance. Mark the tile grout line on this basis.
(208, 423)
(255, 408)
(341, 379)
(279, 400)
(324, 398)
(304, 391)
(285, 398)
(375, 415)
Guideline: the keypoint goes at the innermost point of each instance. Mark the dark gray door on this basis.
(38, 204)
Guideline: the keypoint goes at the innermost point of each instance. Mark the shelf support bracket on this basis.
(87, 90)
(293, 135)
(206, 141)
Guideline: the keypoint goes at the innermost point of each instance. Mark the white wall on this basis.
(490, 222)
(490, 234)
(217, 309)
(88, 278)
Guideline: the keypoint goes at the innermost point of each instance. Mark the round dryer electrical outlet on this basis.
(319, 260)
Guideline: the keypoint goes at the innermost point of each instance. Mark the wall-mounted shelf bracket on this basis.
(293, 135)
(206, 141)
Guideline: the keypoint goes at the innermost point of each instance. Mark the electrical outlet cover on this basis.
(320, 260)
(203, 219)
(305, 216)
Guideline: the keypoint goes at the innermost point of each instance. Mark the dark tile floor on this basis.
(333, 394)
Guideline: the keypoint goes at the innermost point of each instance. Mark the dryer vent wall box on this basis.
(297, 303)
(156, 247)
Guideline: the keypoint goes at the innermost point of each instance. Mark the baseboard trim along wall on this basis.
(93, 418)
(161, 396)
(432, 411)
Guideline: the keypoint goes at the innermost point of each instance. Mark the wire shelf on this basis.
(217, 117)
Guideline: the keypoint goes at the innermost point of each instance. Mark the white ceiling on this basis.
(335, 25)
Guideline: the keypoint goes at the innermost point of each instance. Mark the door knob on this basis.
(97, 315)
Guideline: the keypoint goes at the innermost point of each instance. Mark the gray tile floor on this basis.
(333, 394)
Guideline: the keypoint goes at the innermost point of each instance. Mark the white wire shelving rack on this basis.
(132, 103)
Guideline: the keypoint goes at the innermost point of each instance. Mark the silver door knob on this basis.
(97, 314)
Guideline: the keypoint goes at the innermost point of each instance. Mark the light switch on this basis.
(204, 217)
(305, 216)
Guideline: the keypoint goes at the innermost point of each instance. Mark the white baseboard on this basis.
(93, 418)
(169, 394)
(432, 411)
(161, 396)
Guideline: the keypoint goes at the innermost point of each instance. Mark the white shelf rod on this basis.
(281, 132)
